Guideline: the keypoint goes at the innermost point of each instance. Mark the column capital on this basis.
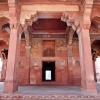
(87, 13)
(14, 13)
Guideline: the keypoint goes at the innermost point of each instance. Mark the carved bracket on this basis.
(76, 20)
(28, 17)
(72, 19)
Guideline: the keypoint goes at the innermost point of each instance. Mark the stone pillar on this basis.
(4, 66)
(28, 48)
(27, 67)
(87, 75)
(70, 66)
(11, 84)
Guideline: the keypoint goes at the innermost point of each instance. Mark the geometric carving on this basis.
(61, 43)
(36, 42)
(48, 52)
(33, 79)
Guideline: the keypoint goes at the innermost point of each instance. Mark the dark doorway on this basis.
(48, 71)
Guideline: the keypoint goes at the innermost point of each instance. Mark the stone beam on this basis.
(50, 7)
(46, 15)
(49, 2)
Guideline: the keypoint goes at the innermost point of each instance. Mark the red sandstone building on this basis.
(59, 37)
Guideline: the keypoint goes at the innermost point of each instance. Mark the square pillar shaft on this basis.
(11, 84)
(87, 75)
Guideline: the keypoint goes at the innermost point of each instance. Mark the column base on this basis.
(10, 87)
(89, 86)
(89, 90)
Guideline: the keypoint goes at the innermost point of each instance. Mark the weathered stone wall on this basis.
(28, 74)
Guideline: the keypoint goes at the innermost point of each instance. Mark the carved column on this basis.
(11, 84)
(28, 47)
(70, 57)
(27, 66)
(70, 65)
(28, 42)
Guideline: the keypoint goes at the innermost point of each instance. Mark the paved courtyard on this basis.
(56, 91)
(51, 90)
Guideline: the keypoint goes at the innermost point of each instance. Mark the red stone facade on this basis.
(31, 75)
(58, 31)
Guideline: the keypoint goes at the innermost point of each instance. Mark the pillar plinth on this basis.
(87, 74)
(10, 86)
(88, 86)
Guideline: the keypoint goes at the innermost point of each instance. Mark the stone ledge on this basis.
(47, 97)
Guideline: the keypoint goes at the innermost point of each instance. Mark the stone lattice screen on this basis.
(49, 52)
(48, 48)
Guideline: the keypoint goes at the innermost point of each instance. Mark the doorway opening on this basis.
(48, 71)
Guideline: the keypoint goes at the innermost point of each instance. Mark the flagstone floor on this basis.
(55, 91)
